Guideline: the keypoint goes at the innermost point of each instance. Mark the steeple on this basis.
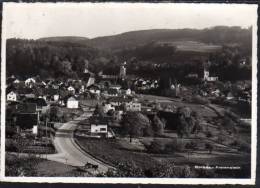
(122, 73)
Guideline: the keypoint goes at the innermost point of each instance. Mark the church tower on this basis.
(86, 67)
(206, 71)
(122, 73)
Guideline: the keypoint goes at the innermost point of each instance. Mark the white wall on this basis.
(72, 104)
(98, 128)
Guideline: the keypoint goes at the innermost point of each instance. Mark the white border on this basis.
(191, 181)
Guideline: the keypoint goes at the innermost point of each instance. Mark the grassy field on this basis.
(201, 109)
(194, 46)
(37, 167)
(115, 151)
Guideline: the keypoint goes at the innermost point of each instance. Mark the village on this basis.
(122, 107)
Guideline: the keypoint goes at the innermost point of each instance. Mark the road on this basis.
(68, 152)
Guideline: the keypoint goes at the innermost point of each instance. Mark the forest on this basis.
(150, 53)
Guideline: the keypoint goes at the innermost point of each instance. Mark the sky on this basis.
(37, 20)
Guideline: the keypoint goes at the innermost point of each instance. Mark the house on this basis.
(133, 106)
(16, 81)
(26, 92)
(99, 126)
(11, 96)
(230, 96)
(216, 92)
(107, 107)
(41, 105)
(56, 97)
(192, 75)
(94, 89)
(82, 89)
(126, 91)
(72, 102)
(111, 92)
(27, 116)
(118, 101)
(30, 82)
(71, 90)
(116, 87)
(209, 78)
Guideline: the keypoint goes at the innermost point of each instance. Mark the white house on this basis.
(16, 81)
(133, 106)
(209, 78)
(108, 107)
(117, 87)
(230, 96)
(90, 81)
(56, 97)
(82, 89)
(11, 96)
(71, 89)
(29, 82)
(94, 89)
(98, 128)
(72, 102)
(126, 92)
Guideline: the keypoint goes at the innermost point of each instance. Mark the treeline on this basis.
(53, 59)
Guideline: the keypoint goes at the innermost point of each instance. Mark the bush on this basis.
(200, 100)
(174, 146)
(209, 134)
(156, 146)
(244, 147)
(10, 146)
(191, 145)
(209, 147)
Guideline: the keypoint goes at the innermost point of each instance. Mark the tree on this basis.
(185, 122)
(135, 124)
(209, 147)
(191, 146)
(158, 125)
(99, 111)
(157, 146)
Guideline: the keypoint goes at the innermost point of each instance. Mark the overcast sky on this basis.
(91, 20)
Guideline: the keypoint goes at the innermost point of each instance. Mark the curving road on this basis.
(68, 151)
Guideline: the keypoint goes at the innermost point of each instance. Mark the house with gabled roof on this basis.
(29, 82)
(72, 102)
(94, 89)
(117, 101)
(41, 105)
(71, 90)
(11, 96)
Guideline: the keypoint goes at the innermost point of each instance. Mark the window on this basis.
(103, 129)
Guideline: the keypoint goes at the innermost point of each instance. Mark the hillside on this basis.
(70, 39)
(181, 49)
(217, 35)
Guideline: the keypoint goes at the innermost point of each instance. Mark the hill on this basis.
(70, 39)
(216, 35)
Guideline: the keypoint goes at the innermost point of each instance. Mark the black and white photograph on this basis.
(129, 93)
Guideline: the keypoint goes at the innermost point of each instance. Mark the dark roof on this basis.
(27, 108)
(25, 90)
(37, 101)
(99, 120)
(50, 91)
(119, 99)
(94, 87)
(112, 91)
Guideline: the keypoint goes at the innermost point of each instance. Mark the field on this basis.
(194, 46)
(201, 109)
(115, 151)
(32, 166)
